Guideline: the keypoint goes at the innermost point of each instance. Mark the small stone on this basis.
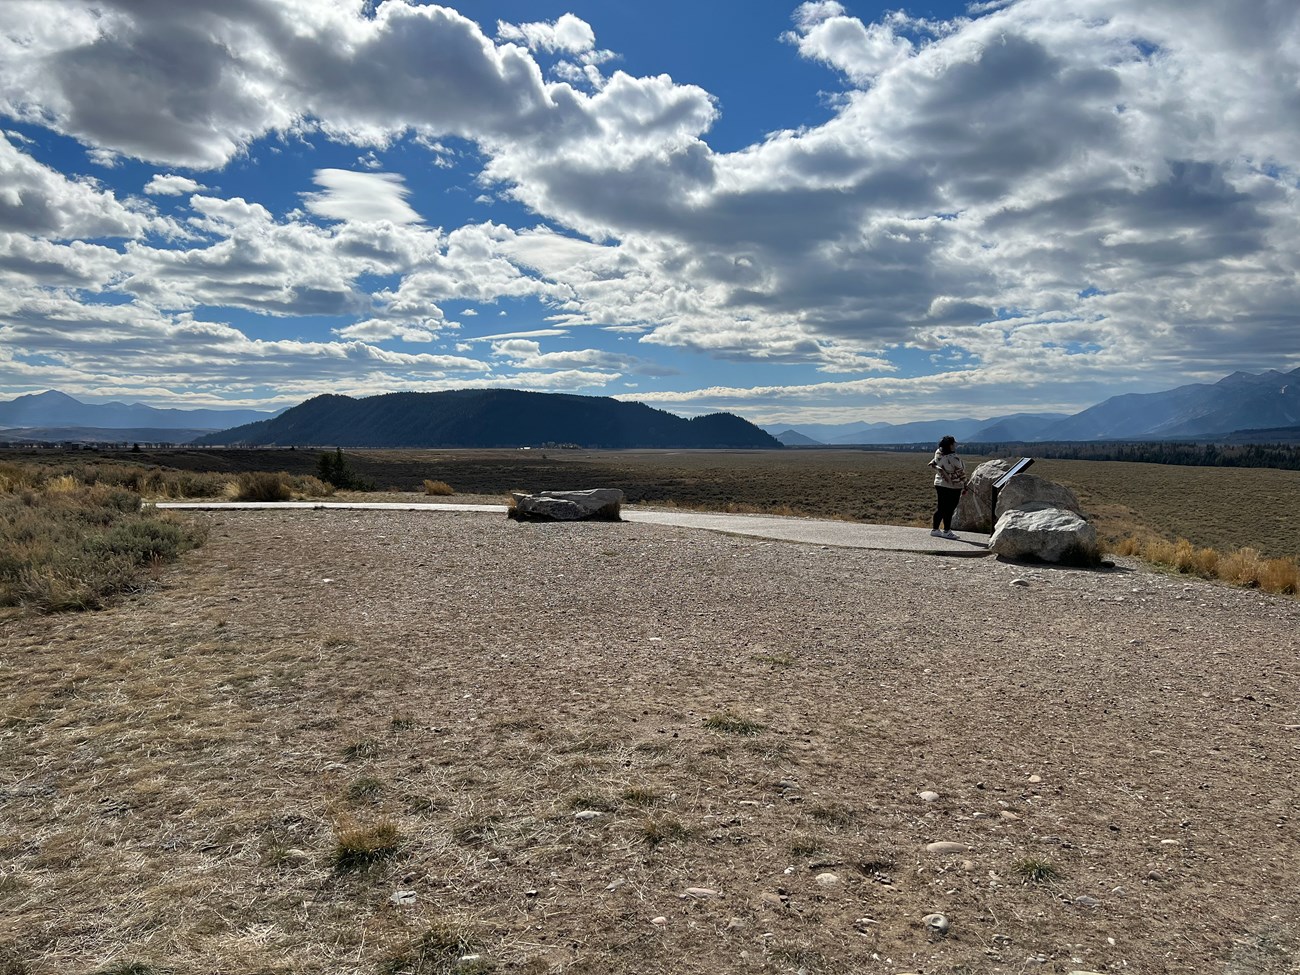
(735, 924)
(928, 796)
(1009, 816)
(774, 901)
(863, 923)
(944, 848)
(1020, 582)
(401, 898)
(467, 961)
(1170, 843)
(586, 814)
(1083, 900)
(660, 921)
(699, 893)
(1035, 778)
(828, 879)
(936, 923)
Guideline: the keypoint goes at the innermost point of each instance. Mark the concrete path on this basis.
(810, 531)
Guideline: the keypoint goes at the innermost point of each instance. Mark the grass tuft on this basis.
(361, 847)
(665, 829)
(262, 486)
(1036, 871)
(438, 489)
(443, 948)
(732, 724)
(1245, 567)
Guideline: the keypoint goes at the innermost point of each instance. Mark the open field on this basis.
(239, 770)
(1224, 508)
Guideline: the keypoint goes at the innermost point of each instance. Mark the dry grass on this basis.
(1244, 567)
(438, 488)
(177, 789)
(65, 545)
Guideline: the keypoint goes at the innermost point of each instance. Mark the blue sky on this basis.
(817, 212)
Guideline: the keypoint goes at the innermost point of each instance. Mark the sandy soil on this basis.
(1116, 752)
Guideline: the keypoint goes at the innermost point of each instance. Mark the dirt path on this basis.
(752, 718)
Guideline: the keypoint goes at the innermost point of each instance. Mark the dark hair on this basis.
(947, 444)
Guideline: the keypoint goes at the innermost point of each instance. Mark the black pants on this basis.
(948, 498)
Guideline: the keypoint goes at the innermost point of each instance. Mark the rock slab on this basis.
(596, 504)
(1043, 531)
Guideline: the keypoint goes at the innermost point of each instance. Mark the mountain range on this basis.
(489, 418)
(1240, 402)
(1242, 407)
(51, 410)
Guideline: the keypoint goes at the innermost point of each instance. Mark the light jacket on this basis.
(949, 471)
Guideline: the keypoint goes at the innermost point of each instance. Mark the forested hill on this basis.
(489, 418)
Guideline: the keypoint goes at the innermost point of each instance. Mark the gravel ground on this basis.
(1115, 752)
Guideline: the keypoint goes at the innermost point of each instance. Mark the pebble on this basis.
(928, 796)
(945, 847)
(938, 923)
(402, 897)
(828, 879)
(660, 920)
(465, 961)
(1083, 900)
(1035, 778)
(778, 901)
(1020, 582)
(587, 814)
(1008, 816)
(699, 893)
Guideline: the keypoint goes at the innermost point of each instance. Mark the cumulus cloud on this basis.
(171, 185)
(1108, 190)
(569, 34)
(361, 197)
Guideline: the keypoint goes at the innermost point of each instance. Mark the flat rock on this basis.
(928, 796)
(700, 893)
(597, 504)
(946, 847)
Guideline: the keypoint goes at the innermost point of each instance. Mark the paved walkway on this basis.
(810, 531)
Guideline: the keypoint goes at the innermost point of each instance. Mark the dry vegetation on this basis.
(338, 742)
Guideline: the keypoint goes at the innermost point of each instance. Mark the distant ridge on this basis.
(54, 409)
(490, 418)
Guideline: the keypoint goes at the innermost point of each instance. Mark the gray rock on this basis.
(945, 848)
(936, 923)
(828, 879)
(928, 796)
(974, 513)
(587, 814)
(699, 893)
(1083, 900)
(597, 504)
(402, 898)
(1047, 533)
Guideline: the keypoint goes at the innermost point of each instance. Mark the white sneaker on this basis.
(948, 534)
(936, 533)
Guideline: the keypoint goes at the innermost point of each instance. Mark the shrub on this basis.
(438, 488)
(69, 546)
(335, 469)
(263, 486)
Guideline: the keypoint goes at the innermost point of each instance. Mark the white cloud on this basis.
(35, 199)
(1103, 189)
(171, 185)
(568, 33)
(361, 197)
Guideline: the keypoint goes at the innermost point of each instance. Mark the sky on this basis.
(819, 212)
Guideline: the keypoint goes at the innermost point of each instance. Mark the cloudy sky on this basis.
(826, 211)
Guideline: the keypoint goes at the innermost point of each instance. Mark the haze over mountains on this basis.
(1241, 401)
(56, 416)
(1267, 403)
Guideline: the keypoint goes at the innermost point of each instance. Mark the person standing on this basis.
(949, 485)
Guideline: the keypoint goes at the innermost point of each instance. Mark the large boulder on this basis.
(597, 504)
(1045, 532)
(974, 513)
